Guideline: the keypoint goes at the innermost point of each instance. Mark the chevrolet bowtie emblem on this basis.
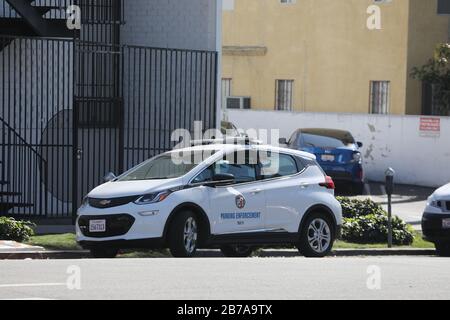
(105, 202)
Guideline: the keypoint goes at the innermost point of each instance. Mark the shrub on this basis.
(11, 229)
(366, 222)
(352, 208)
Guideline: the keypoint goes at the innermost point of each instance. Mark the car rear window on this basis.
(326, 139)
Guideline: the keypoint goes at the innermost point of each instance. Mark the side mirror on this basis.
(360, 144)
(223, 179)
(109, 177)
(282, 141)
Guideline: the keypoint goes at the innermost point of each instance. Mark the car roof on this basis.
(226, 148)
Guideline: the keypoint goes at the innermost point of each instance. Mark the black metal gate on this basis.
(72, 111)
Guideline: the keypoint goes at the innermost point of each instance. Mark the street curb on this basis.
(265, 253)
(43, 255)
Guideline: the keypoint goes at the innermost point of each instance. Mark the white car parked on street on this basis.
(282, 198)
(436, 220)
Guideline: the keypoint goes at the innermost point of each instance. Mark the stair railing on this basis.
(22, 171)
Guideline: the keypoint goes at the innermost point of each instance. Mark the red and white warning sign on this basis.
(430, 126)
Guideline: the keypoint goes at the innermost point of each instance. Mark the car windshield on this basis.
(329, 139)
(164, 167)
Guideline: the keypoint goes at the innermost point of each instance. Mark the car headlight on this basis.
(153, 197)
(434, 203)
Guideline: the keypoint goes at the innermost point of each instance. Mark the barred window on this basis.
(379, 97)
(284, 95)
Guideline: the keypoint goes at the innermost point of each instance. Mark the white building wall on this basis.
(187, 24)
(389, 141)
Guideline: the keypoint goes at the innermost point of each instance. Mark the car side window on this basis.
(278, 165)
(205, 176)
(242, 165)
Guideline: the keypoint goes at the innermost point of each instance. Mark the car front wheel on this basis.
(183, 235)
(443, 249)
(236, 251)
(316, 236)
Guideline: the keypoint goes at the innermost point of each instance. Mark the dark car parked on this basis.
(337, 152)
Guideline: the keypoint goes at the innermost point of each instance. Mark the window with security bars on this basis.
(226, 90)
(284, 95)
(379, 97)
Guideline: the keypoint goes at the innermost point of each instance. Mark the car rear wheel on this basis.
(183, 235)
(443, 249)
(236, 251)
(104, 253)
(316, 236)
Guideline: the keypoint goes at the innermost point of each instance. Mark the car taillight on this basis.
(329, 183)
(356, 157)
(361, 174)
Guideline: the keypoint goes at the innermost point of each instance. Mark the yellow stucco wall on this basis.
(325, 46)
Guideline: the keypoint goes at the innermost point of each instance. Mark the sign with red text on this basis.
(430, 126)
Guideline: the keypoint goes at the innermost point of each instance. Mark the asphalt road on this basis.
(228, 279)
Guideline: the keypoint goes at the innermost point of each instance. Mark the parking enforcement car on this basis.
(235, 197)
(436, 220)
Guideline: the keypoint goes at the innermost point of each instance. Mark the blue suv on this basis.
(337, 153)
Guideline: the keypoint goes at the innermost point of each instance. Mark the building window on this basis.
(443, 7)
(430, 105)
(379, 97)
(226, 90)
(284, 95)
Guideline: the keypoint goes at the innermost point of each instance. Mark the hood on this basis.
(443, 191)
(120, 189)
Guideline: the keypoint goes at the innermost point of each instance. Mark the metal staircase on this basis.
(43, 18)
(16, 194)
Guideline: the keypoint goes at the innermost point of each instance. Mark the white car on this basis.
(281, 198)
(436, 220)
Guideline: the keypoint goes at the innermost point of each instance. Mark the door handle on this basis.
(256, 191)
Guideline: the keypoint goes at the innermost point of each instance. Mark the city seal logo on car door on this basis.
(240, 201)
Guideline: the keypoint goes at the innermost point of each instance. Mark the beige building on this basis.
(329, 55)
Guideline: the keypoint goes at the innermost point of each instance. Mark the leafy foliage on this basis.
(437, 73)
(366, 222)
(11, 229)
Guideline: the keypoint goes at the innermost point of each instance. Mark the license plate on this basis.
(97, 226)
(446, 223)
(328, 157)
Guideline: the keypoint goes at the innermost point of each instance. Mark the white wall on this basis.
(389, 141)
(186, 24)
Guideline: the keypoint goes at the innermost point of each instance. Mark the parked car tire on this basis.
(236, 251)
(358, 188)
(104, 253)
(443, 249)
(316, 236)
(183, 235)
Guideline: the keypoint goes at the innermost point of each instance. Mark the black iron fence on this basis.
(73, 111)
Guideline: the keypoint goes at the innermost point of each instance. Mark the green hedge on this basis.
(11, 229)
(366, 222)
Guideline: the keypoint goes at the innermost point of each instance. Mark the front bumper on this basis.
(123, 223)
(432, 227)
